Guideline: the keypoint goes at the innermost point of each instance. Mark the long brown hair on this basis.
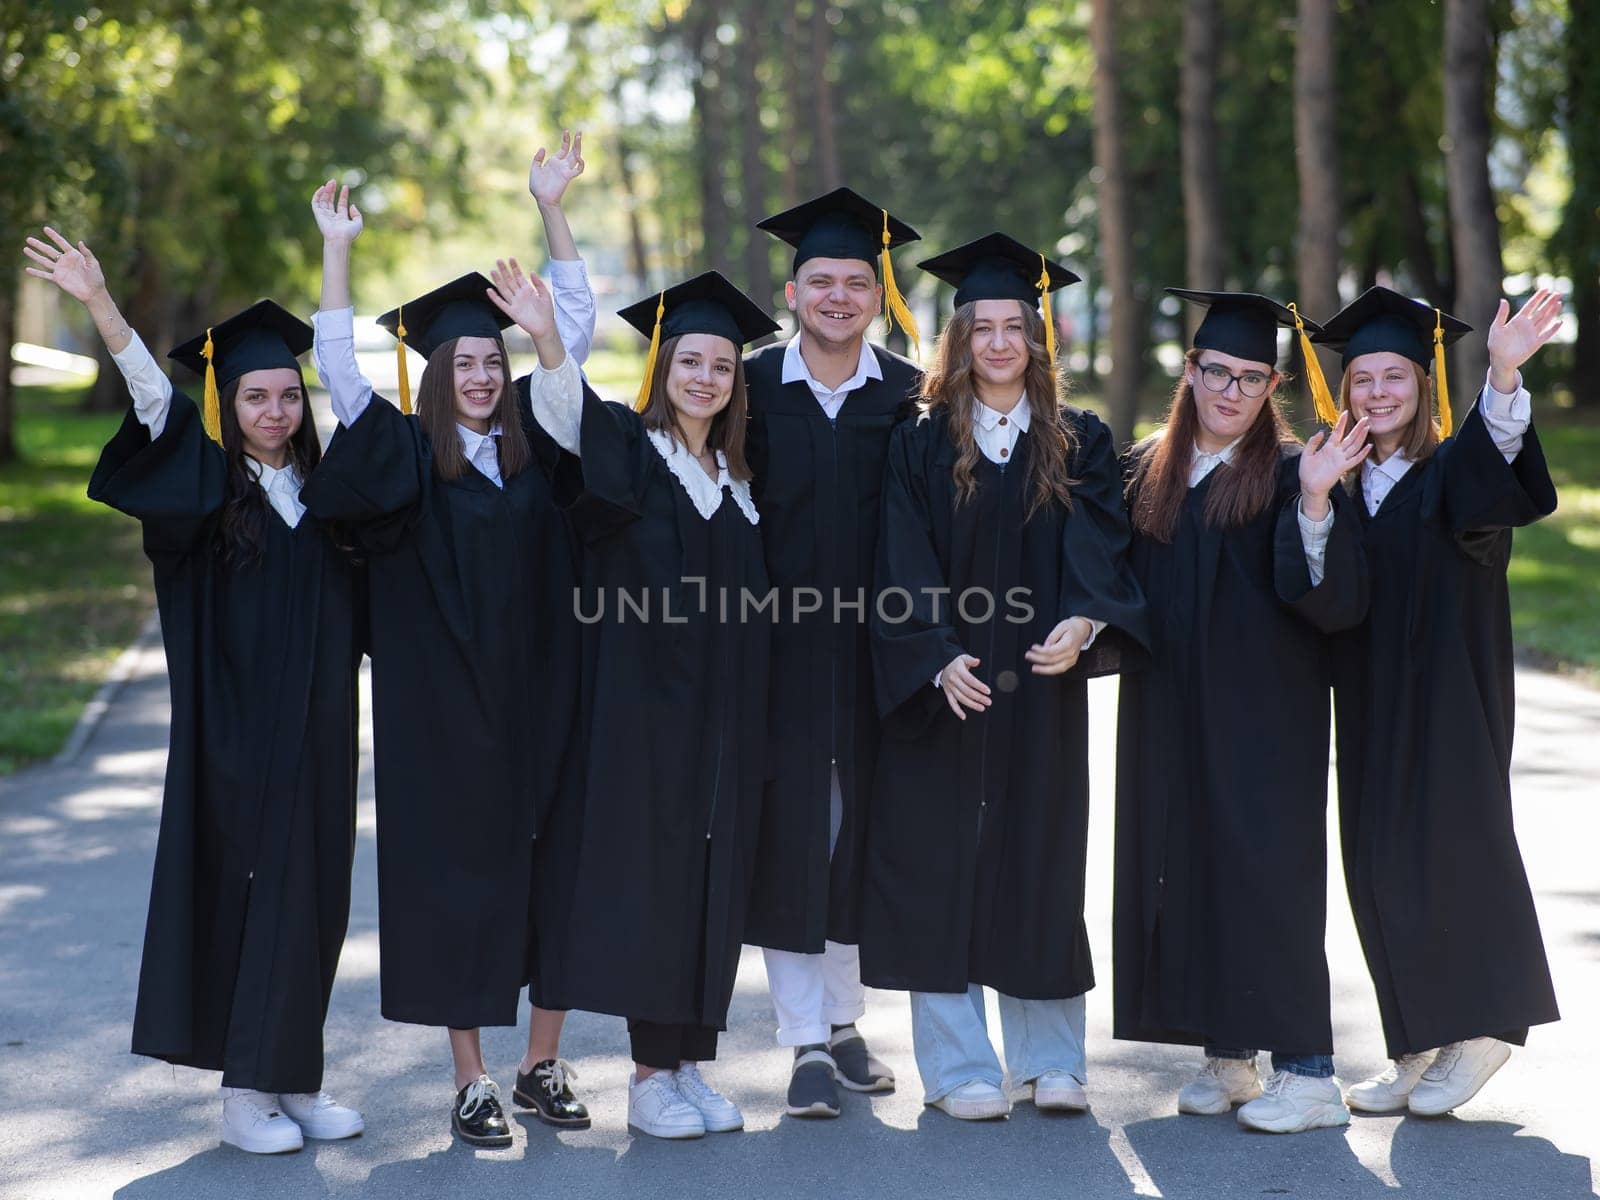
(1422, 435)
(1241, 490)
(949, 384)
(727, 427)
(244, 506)
(436, 410)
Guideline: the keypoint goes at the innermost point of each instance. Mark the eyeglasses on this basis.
(1252, 384)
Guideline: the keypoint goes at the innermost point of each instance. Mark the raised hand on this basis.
(73, 269)
(549, 174)
(962, 688)
(1327, 457)
(1512, 342)
(338, 219)
(1058, 653)
(523, 297)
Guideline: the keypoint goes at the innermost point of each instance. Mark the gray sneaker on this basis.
(812, 1090)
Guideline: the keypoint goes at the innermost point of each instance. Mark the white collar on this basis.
(1225, 455)
(1392, 468)
(704, 494)
(266, 476)
(796, 371)
(472, 440)
(1020, 415)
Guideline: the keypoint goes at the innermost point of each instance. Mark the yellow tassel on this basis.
(1321, 397)
(650, 358)
(895, 307)
(400, 360)
(1441, 386)
(1049, 320)
(211, 414)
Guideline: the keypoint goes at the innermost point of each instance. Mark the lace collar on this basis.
(705, 495)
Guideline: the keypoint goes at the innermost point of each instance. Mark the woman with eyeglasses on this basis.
(1249, 557)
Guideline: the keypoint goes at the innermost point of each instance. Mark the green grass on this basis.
(1555, 566)
(74, 587)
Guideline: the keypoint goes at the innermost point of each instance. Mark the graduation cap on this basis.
(1245, 325)
(459, 308)
(844, 224)
(1381, 319)
(708, 303)
(263, 336)
(997, 267)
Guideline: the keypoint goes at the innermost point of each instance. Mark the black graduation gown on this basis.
(474, 674)
(818, 484)
(673, 735)
(1425, 718)
(251, 890)
(1222, 781)
(975, 857)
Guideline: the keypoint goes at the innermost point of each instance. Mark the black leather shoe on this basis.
(548, 1092)
(476, 1116)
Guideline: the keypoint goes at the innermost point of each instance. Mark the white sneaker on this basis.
(253, 1122)
(975, 1100)
(1456, 1075)
(1387, 1093)
(1291, 1103)
(1219, 1085)
(319, 1117)
(720, 1114)
(1058, 1091)
(656, 1107)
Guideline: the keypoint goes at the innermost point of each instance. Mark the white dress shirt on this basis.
(1313, 534)
(333, 350)
(831, 399)
(1506, 417)
(482, 450)
(152, 401)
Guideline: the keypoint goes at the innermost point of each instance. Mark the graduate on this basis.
(1002, 558)
(251, 890)
(1424, 700)
(674, 684)
(474, 659)
(822, 406)
(1249, 556)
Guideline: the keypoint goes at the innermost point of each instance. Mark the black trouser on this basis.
(666, 1046)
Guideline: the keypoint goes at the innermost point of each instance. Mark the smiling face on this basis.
(1226, 412)
(269, 406)
(1385, 388)
(835, 299)
(699, 380)
(999, 345)
(479, 369)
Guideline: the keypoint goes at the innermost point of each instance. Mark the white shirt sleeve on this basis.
(1506, 417)
(1314, 537)
(557, 400)
(147, 384)
(333, 351)
(575, 306)
(1096, 626)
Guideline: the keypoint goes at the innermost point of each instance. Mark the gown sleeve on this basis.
(907, 654)
(1097, 580)
(174, 484)
(1482, 493)
(372, 477)
(1338, 601)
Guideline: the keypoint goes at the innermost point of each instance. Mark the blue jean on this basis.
(950, 1034)
(1314, 1066)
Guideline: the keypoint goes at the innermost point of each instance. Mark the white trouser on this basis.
(812, 992)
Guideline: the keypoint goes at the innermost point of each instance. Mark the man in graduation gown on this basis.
(1222, 743)
(1425, 704)
(822, 406)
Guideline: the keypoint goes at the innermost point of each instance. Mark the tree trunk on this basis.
(1474, 225)
(795, 108)
(752, 168)
(1316, 152)
(8, 395)
(1205, 254)
(1116, 232)
(711, 150)
(1579, 238)
(825, 161)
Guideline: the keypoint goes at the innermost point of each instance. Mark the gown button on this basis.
(1004, 453)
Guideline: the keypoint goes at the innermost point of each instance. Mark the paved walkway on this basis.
(79, 1116)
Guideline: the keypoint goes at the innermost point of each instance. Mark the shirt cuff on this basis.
(330, 324)
(568, 273)
(1095, 626)
(148, 386)
(1506, 416)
